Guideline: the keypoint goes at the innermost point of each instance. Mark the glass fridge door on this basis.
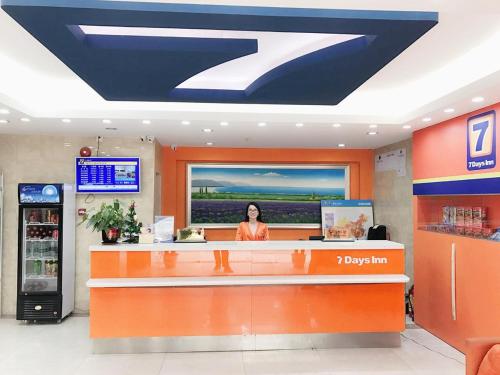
(40, 249)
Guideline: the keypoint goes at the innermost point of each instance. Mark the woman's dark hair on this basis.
(259, 217)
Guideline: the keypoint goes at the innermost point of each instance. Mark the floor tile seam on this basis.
(430, 350)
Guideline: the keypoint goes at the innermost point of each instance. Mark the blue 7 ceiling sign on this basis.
(225, 54)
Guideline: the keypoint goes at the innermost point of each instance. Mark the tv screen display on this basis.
(108, 175)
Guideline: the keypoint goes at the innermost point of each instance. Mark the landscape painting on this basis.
(289, 195)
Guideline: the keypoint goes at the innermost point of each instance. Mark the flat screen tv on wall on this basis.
(117, 175)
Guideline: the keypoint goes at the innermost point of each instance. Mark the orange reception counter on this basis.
(226, 295)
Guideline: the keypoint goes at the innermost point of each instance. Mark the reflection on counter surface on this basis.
(244, 263)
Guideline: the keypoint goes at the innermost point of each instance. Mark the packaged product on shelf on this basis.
(446, 215)
(479, 216)
(468, 216)
(460, 230)
(477, 232)
(469, 231)
(496, 236)
(459, 217)
(453, 215)
(486, 232)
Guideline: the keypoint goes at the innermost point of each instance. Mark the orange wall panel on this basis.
(441, 150)
(174, 177)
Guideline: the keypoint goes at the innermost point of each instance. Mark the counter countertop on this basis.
(245, 280)
(253, 246)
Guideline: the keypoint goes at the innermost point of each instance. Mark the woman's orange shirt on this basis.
(245, 234)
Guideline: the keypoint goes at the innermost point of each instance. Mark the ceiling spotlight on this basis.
(66, 120)
(25, 119)
(406, 126)
(261, 124)
(426, 119)
(372, 133)
(106, 121)
(373, 126)
(185, 122)
(224, 123)
(3, 121)
(299, 124)
(336, 125)
(146, 122)
(209, 143)
(207, 130)
(341, 144)
(477, 99)
(449, 110)
(4, 111)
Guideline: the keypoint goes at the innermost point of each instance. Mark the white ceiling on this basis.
(454, 62)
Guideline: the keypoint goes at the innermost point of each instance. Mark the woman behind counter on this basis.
(252, 229)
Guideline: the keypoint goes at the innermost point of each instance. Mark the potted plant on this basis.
(131, 227)
(109, 219)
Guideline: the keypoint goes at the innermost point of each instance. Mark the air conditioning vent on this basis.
(37, 308)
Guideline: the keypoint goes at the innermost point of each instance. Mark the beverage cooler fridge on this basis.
(46, 258)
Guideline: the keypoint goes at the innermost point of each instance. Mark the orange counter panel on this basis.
(206, 311)
(115, 264)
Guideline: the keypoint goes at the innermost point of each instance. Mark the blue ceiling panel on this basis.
(150, 68)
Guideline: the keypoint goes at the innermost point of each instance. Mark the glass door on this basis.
(40, 249)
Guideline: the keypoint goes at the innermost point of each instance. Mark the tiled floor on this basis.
(66, 349)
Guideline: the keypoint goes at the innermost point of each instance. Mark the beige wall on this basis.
(393, 203)
(47, 159)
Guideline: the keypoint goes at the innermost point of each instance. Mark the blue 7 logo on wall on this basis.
(481, 141)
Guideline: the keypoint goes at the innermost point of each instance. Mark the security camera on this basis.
(142, 139)
(173, 147)
(99, 138)
(150, 138)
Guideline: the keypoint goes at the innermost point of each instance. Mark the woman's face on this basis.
(252, 212)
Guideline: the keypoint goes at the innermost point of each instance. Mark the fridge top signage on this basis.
(40, 193)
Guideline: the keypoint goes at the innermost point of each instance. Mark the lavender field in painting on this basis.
(273, 212)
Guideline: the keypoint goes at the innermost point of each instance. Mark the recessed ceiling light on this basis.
(185, 122)
(207, 130)
(341, 144)
(224, 123)
(449, 110)
(373, 126)
(91, 147)
(406, 126)
(299, 124)
(336, 125)
(106, 121)
(66, 120)
(117, 147)
(25, 119)
(209, 143)
(111, 128)
(67, 145)
(4, 111)
(372, 133)
(3, 121)
(477, 99)
(261, 124)
(426, 119)
(146, 122)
